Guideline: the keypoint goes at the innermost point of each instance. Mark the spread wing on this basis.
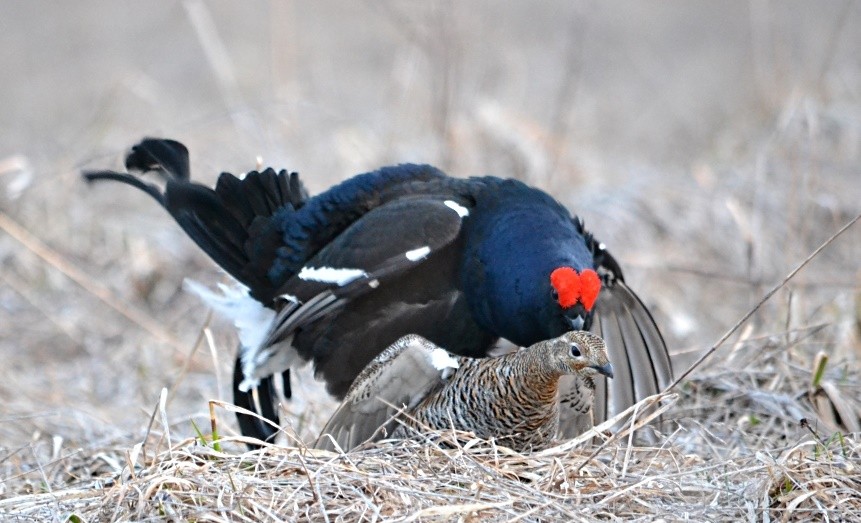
(399, 378)
(635, 347)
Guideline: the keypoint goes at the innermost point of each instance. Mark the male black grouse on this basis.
(339, 277)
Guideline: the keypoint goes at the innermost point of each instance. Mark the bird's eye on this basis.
(554, 294)
(575, 350)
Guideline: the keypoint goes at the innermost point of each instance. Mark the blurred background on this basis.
(712, 146)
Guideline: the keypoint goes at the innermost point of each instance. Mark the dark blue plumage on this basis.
(403, 250)
(517, 236)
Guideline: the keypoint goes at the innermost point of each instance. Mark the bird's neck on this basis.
(536, 379)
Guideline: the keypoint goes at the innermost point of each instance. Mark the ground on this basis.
(711, 146)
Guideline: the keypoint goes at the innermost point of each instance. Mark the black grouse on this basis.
(337, 278)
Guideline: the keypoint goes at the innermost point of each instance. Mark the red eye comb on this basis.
(571, 287)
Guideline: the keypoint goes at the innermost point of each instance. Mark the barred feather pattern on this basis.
(514, 398)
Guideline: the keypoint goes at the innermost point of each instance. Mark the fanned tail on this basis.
(232, 223)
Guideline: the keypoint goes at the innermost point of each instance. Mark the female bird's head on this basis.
(578, 352)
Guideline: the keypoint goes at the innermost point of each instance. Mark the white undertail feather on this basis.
(252, 321)
(249, 316)
(259, 362)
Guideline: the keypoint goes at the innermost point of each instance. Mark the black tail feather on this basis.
(152, 190)
(228, 223)
(257, 194)
(166, 157)
(296, 191)
(253, 426)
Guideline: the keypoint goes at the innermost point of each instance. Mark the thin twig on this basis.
(59, 262)
(764, 299)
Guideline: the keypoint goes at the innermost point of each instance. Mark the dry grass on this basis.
(712, 148)
(413, 482)
(740, 451)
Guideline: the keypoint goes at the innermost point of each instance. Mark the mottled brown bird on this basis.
(515, 398)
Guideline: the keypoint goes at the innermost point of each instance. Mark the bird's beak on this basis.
(605, 369)
(576, 322)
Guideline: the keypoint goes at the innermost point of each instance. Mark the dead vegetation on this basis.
(710, 181)
(769, 431)
(745, 446)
